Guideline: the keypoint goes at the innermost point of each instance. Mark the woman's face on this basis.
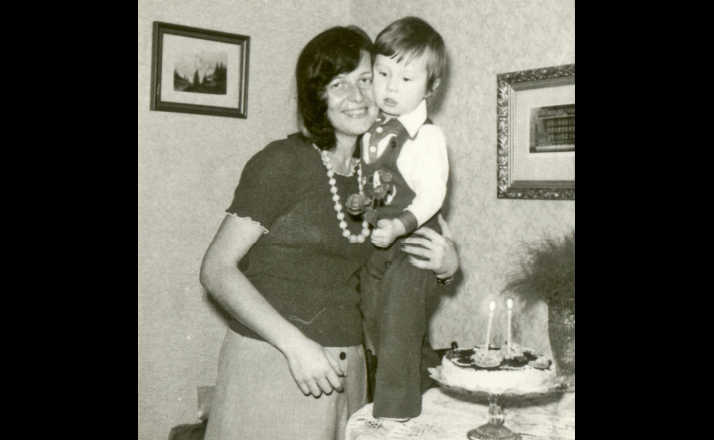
(350, 100)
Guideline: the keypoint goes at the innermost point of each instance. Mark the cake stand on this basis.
(494, 429)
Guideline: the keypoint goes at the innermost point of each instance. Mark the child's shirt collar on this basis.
(413, 120)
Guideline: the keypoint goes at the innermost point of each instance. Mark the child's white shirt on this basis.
(423, 162)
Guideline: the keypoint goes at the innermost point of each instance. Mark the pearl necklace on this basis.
(353, 238)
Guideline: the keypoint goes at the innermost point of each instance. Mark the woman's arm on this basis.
(435, 252)
(313, 370)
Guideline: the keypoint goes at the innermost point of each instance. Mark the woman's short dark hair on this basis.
(332, 52)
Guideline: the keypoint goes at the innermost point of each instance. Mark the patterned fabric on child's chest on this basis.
(384, 135)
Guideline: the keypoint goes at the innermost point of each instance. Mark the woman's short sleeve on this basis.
(267, 185)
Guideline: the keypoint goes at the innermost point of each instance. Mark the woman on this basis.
(284, 263)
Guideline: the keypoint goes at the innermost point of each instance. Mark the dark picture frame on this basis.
(536, 134)
(199, 71)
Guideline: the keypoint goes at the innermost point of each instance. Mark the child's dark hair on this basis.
(410, 37)
(332, 52)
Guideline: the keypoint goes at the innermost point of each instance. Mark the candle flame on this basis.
(492, 306)
(509, 303)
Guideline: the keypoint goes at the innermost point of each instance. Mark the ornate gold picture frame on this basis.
(536, 134)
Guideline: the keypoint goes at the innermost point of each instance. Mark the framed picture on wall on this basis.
(536, 134)
(199, 71)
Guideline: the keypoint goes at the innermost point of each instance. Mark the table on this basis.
(448, 417)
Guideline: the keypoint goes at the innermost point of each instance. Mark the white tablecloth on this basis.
(445, 417)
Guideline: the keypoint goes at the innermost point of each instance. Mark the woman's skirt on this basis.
(257, 398)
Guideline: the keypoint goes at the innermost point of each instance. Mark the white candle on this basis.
(491, 308)
(509, 305)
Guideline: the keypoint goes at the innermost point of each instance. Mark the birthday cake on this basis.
(497, 370)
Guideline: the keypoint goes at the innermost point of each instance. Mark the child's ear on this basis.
(434, 86)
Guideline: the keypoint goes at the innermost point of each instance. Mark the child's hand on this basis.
(386, 232)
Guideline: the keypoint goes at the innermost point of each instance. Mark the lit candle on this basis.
(509, 305)
(491, 308)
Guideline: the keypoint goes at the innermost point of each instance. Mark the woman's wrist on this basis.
(444, 281)
(445, 278)
(289, 339)
(449, 264)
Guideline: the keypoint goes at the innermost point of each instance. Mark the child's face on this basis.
(399, 86)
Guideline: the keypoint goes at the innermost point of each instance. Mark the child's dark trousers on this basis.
(394, 304)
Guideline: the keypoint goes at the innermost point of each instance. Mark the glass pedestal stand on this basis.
(494, 429)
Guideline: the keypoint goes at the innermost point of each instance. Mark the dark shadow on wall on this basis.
(433, 108)
(435, 102)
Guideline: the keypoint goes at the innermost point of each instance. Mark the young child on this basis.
(403, 156)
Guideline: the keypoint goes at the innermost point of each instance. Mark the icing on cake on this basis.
(520, 370)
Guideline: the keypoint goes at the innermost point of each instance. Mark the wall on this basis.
(484, 38)
(189, 165)
(188, 168)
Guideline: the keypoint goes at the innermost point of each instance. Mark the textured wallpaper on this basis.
(189, 166)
